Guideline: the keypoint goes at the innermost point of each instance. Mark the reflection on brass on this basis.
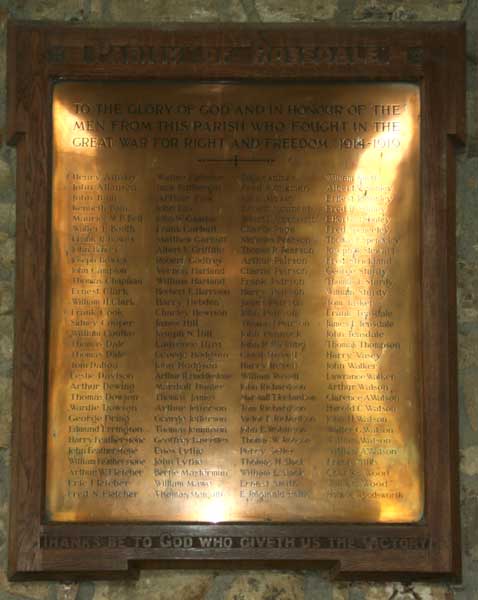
(235, 320)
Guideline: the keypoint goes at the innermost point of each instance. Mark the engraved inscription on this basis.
(255, 54)
(235, 320)
(286, 544)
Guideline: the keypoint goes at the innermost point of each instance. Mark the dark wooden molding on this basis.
(432, 54)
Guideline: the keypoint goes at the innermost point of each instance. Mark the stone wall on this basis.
(264, 585)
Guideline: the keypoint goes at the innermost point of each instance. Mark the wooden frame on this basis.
(38, 55)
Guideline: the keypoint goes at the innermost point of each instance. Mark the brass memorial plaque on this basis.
(235, 317)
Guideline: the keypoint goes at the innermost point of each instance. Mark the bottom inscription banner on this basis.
(246, 543)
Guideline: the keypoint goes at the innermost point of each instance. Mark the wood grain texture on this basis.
(431, 54)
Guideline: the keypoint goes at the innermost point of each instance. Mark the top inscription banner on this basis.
(238, 283)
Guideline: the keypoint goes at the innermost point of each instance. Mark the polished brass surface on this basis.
(235, 317)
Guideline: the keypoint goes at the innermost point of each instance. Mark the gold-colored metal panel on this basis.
(235, 319)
